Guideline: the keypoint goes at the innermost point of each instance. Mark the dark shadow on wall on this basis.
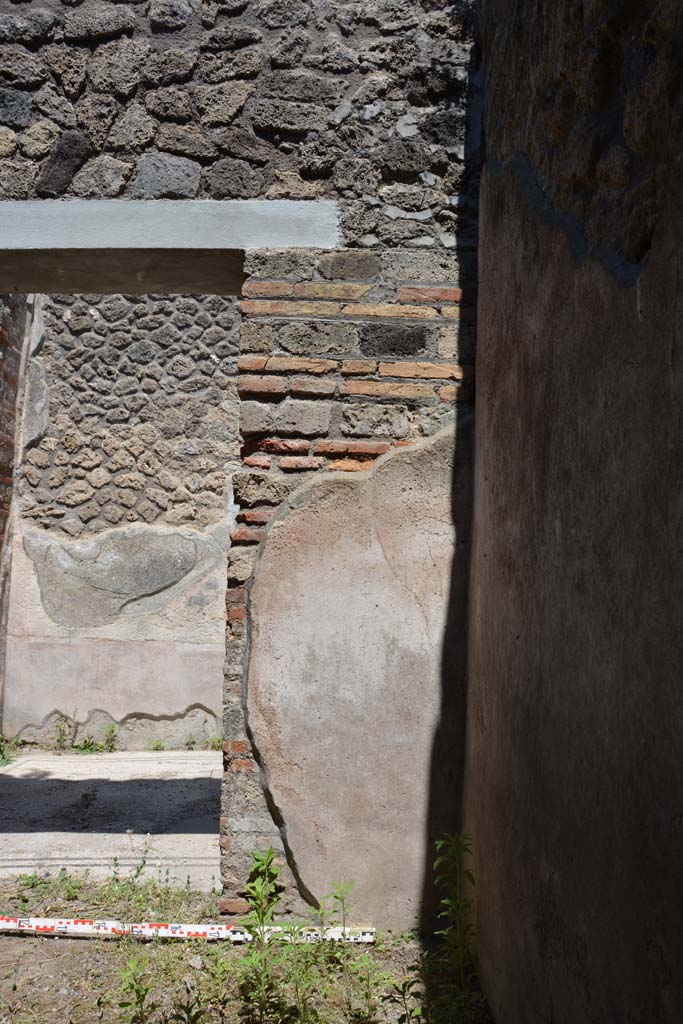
(448, 748)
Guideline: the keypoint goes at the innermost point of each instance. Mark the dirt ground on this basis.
(82, 981)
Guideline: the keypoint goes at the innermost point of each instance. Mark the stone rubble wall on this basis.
(269, 98)
(142, 413)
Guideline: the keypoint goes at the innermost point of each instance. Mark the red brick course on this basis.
(299, 463)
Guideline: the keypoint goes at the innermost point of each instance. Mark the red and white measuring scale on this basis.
(87, 928)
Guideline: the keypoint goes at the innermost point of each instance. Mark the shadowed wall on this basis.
(574, 786)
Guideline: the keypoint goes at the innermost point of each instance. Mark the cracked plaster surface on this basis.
(347, 615)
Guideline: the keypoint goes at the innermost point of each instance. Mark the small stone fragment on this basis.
(77, 492)
(169, 104)
(21, 68)
(229, 178)
(219, 104)
(8, 142)
(98, 477)
(165, 177)
(103, 177)
(169, 15)
(116, 67)
(68, 154)
(133, 130)
(15, 108)
(36, 141)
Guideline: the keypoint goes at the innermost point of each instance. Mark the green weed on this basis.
(7, 749)
(187, 1011)
(88, 745)
(110, 738)
(62, 735)
(447, 979)
(136, 1003)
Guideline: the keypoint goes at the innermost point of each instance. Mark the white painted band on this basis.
(168, 224)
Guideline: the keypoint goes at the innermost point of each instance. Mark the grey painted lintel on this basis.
(168, 224)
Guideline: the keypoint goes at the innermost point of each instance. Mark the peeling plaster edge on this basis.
(212, 542)
(138, 716)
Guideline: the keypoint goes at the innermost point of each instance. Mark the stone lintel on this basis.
(169, 224)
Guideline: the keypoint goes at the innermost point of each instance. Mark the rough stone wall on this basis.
(574, 783)
(142, 413)
(183, 99)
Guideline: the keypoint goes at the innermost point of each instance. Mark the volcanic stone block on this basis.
(188, 140)
(69, 64)
(116, 67)
(167, 66)
(94, 22)
(8, 141)
(17, 178)
(394, 339)
(169, 15)
(30, 28)
(68, 154)
(15, 108)
(365, 419)
(229, 178)
(103, 176)
(21, 68)
(281, 115)
(133, 130)
(220, 104)
(307, 418)
(165, 177)
(170, 104)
